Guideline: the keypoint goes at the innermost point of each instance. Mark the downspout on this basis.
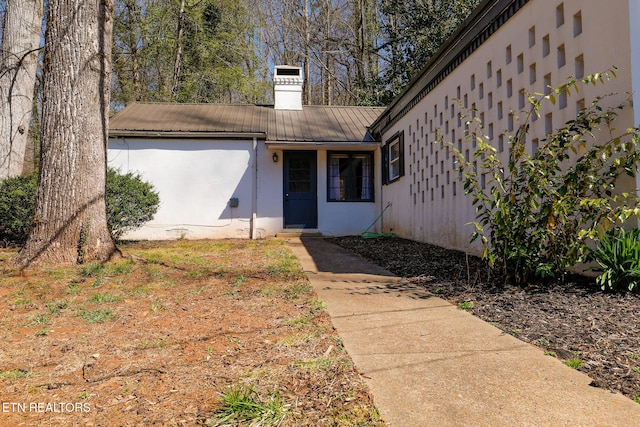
(634, 45)
(254, 190)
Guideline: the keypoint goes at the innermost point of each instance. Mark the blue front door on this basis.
(300, 190)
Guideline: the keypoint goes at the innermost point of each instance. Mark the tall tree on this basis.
(70, 223)
(414, 31)
(18, 64)
(185, 51)
(365, 34)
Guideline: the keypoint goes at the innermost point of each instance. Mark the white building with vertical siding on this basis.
(505, 50)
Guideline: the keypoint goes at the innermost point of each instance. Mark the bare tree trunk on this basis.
(70, 223)
(18, 64)
(175, 88)
(307, 57)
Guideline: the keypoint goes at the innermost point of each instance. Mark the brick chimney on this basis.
(287, 87)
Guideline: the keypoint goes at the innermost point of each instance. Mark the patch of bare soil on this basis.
(156, 338)
(574, 320)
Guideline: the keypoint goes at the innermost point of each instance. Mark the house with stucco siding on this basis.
(251, 171)
(255, 171)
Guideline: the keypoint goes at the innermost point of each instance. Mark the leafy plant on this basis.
(130, 203)
(242, 404)
(465, 305)
(618, 255)
(14, 374)
(98, 315)
(575, 363)
(536, 213)
(99, 298)
(17, 198)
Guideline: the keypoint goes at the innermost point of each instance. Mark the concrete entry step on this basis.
(289, 234)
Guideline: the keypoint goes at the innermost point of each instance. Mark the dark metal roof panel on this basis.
(311, 124)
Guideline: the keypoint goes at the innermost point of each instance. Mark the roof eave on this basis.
(116, 133)
(485, 13)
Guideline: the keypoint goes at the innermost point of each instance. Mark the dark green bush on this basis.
(17, 196)
(130, 203)
(618, 255)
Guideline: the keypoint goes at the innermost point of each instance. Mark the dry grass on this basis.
(157, 338)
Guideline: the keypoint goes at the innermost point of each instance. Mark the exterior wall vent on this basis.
(287, 87)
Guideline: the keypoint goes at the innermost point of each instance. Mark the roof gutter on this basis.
(179, 134)
(280, 145)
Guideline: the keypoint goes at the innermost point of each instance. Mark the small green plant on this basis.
(637, 399)
(91, 269)
(317, 305)
(466, 305)
(43, 333)
(550, 353)
(242, 405)
(99, 298)
(73, 288)
(285, 265)
(56, 306)
(159, 344)
(632, 356)
(14, 374)
(617, 253)
(157, 306)
(83, 395)
(98, 315)
(636, 369)
(240, 280)
(297, 289)
(40, 320)
(541, 342)
(575, 363)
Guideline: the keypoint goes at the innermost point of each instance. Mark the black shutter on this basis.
(401, 145)
(385, 164)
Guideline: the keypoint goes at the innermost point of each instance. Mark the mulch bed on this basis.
(572, 319)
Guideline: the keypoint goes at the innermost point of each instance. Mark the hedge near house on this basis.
(130, 203)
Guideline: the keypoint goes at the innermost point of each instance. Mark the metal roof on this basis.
(313, 124)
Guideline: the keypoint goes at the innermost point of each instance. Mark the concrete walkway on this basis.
(430, 364)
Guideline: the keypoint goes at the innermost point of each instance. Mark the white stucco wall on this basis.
(343, 218)
(195, 180)
(334, 218)
(424, 206)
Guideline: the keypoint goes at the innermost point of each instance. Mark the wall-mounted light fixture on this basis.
(275, 157)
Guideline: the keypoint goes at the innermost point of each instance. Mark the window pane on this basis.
(350, 177)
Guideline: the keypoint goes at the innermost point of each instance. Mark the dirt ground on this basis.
(596, 332)
(169, 336)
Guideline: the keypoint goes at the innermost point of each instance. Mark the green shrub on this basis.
(130, 203)
(17, 196)
(536, 213)
(618, 254)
